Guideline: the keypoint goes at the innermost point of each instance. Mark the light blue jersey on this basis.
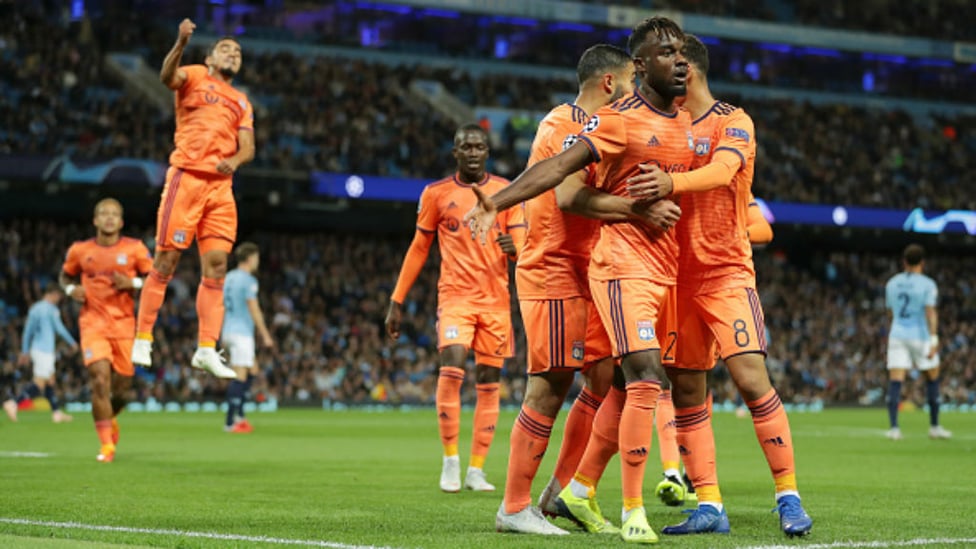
(239, 286)
(43, 322)
(907, 295)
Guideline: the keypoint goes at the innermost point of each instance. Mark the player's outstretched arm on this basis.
(171, 75)
(534, 181)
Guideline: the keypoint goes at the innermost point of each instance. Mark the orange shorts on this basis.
(634, 312)
(118, 351)
(488, 333)
(196, 205)
(563, 334)
(723, 323)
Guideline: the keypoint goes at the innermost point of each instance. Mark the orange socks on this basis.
(210, 310)
(530, 438)
(104, 430)
(150, 300)
(579, 425)
(604, 437)
(667, 436)
(773, 430)
(636, 429)
(697, 442)
(448, 402)
(485, 418)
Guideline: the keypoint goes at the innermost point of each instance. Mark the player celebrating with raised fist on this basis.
(214, 136)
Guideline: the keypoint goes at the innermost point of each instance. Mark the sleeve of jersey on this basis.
(413, 263)
(71, 265)
(517, 226)
(247, 120)
(144, 260)
(933, 296)
(194, 73)
(605, 134)
(888, 297)
(427, 215)
(252, 289)
(732, 152)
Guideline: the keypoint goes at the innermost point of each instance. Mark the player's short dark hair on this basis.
(469, 128)
(696, 52)
(599, 59)
(109, 200)
(52, 287)
(245, 250)
(223, 38)
(660, 26)
(913, 255)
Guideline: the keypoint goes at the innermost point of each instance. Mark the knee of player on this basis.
(454, 355)
(215, 265)
(487, 374)
(165, 262)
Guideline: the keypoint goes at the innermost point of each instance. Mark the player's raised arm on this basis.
(171, 75)
(531, 183)
(71, 284)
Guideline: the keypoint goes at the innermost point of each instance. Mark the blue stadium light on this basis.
(434, 12)
(867, 81)
(710, 40)
(899, 59)
(520, 21)
(781, 48)
(77, 9)
(822, 52)
(501, 48)
(572, 27)
(391, 8)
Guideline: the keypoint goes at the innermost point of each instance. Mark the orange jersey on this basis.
(621, 136)
(107, 312)
(209, 113)
(472, 274)
(715, 250)
(556, 256)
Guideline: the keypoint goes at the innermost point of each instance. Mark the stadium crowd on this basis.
(325, 297)
(57, 97)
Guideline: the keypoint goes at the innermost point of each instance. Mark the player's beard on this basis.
(227, 72)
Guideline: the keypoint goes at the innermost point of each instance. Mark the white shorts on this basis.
(903, 354)
(43, 364)
(241, 350)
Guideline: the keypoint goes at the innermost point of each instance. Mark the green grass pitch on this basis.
(348, 479)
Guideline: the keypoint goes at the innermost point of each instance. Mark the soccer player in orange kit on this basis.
(473, 303)
(718, 307)
(214, 137)
(102, 273)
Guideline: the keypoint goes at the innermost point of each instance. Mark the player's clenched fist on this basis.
(186, 30)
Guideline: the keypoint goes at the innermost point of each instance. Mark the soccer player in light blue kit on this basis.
(913, 341)
(242, 315)
(38, 348)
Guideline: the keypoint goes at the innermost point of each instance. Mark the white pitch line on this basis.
(25, 454)
(869, 544)
(188, 534)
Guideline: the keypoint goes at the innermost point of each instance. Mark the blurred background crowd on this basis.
(325, 298)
